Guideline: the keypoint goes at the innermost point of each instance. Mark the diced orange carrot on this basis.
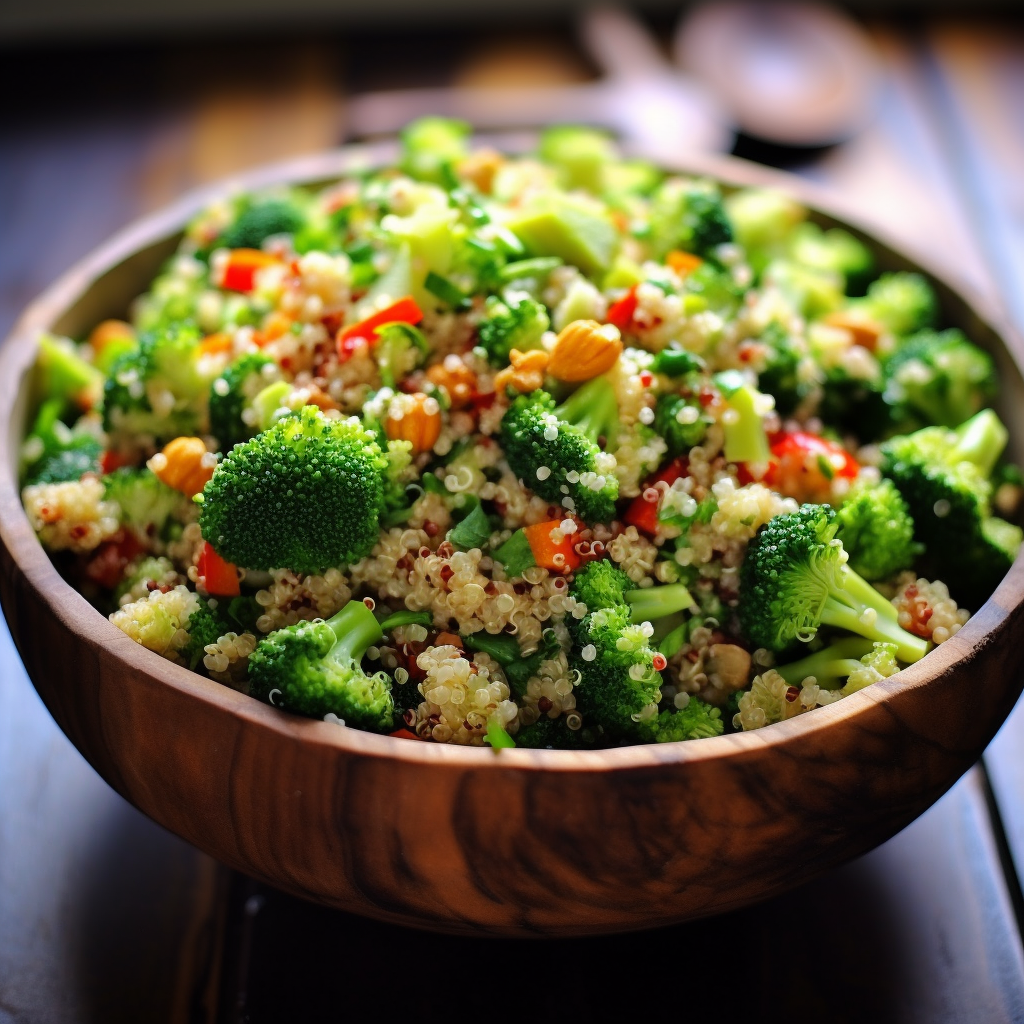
(214, 344)
(560, 555)
(683, 263)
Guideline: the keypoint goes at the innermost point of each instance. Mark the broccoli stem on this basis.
(405, 618)
(829, 665)
(981, 441)
(657, 602)
(845, 609)
(356, 629)
(593, 409)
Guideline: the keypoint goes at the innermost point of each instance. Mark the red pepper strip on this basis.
(220, 578)
(107, 566)
(643, 514)
(403, 311)
(240, 271)
(621, 313)
(796, 446)
(109, 461)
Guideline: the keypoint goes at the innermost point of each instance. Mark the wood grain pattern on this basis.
(521, 843)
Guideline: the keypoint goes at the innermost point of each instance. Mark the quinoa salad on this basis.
(547, 450)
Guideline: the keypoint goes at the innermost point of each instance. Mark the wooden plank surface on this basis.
(103, 916)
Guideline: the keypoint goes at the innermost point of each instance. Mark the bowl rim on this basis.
(74, 611)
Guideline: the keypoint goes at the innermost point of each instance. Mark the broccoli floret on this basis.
(859, 662)
(149, 570)
(618, 682)
(553, 734)
(814, 291)
(855, 404)
(147, 504)
(876, 530)
(600, 584)
(257, 221)
(794, 579)
(689, 215)
(940, 377)
(679, 421)
(710, 287)
(902, 302)
(835, 251)
(53, 453)
(551, 448)
(581, 155)
(313, 668)
(781, 377)
(157, 389)
(232, 392)
(59, 372)
(303, 495)
(205, 626)
(431, 145)
(396, 507)
(762, 221)
(943, 476)
(695, 721)
(517, 323)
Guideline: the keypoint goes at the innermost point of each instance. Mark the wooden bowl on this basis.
(521, 842)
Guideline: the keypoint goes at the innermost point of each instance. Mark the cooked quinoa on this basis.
(526, 450)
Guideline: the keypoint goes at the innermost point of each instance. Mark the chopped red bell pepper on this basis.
(643, 514)
(110, 460)
(240, 269)
(220, 578)
(832, 459)
(107, 566)
(404, 311)
(621, 313)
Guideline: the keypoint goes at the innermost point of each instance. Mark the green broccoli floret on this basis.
(313, 668)
(813, 290)
(147, 504)
(902, 302)
(781, 377)
(53, 453)
(516, 323)
(303, 495)
(855, 404)
(431, 145)
(618, 682)
(876, 530)
(158, 389)
(553, 734)
(689, 215)
(233, 392)
(859, 662)
(835, 251)
(554, 448)
(581, 155)
(943, 476)
(679, 422)
(762, 222)
(60, 372)
(940, 377)
(150, 570)
(794, 579)
(258, 220)
(600, 584)
(711, 287)
(396, 507)
(696, 720)
(205, 626)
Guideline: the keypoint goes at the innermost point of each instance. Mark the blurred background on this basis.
(910, 115)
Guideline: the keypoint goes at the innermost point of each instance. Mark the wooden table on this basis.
(106, 917)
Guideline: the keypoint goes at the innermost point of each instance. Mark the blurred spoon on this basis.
(795, 74)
